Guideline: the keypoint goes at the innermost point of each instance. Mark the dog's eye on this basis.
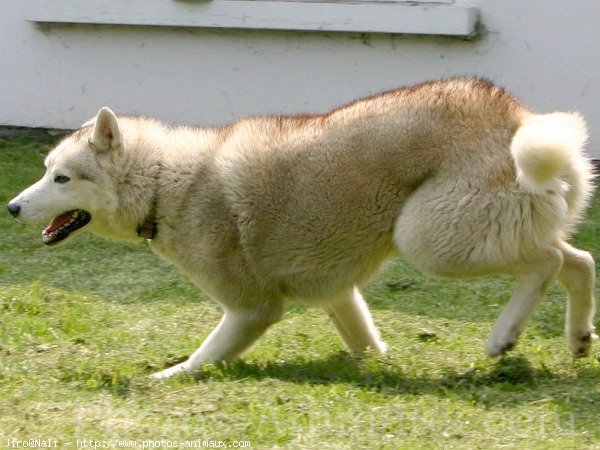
(61, 179)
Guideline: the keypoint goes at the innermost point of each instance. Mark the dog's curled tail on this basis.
(548, 146)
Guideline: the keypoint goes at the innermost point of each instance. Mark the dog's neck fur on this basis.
(143, 187)
(149, 227)
(137, 171)
(156, 161)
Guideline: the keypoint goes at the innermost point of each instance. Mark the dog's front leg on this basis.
(236, 333)
(354, 323)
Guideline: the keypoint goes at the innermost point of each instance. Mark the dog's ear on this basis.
(106, 135)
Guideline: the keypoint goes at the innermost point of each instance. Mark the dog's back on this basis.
(317, 198)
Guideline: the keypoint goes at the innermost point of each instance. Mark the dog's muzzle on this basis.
(14, 209)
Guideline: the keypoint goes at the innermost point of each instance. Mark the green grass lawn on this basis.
(83, 325)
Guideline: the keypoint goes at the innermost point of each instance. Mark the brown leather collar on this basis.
(149, 227)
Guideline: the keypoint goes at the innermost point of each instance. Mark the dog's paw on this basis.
(499, 348)
(502, 340)
(581, 344)
(178, 369)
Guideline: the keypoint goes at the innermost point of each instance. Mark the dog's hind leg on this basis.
(235, 334)
(354, 322)
(534, 278)
(577, 275)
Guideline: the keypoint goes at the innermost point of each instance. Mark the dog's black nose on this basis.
(14, 209)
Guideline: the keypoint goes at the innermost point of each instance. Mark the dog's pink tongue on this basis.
(58, 222)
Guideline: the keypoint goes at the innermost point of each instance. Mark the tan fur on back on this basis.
(456, 175)
(305, 206)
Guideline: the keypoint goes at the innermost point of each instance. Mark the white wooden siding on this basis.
(364, 17)
(59, 74)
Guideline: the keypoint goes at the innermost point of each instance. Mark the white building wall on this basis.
(544, 51)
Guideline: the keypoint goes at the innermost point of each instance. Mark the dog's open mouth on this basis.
(63, 225)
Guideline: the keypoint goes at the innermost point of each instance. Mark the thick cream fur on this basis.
(456, 175)
(549, 154)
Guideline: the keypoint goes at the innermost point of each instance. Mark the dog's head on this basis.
(78, 189)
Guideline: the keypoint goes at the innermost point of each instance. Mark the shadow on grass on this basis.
(506, 380)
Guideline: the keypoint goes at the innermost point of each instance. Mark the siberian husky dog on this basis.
(456, 175)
